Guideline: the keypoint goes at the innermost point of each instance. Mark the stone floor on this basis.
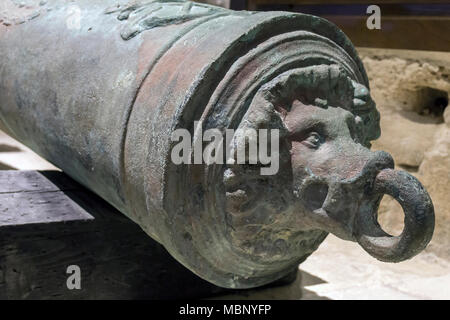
(337, 270)
(342, 270)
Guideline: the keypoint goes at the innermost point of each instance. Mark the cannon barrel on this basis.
(98, 88)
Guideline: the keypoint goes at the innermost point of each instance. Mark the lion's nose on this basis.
(379, 160)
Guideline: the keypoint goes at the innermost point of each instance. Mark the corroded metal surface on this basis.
(101, 102)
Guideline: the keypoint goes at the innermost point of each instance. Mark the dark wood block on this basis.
(49, 222)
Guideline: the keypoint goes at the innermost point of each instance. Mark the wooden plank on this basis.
(117, 259)
(28, 181)
(39, 207)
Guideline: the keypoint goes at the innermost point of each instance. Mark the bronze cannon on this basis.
(99, 87)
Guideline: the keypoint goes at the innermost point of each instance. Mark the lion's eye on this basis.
(313, 140)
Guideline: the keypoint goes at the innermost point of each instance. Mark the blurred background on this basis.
(408, 64)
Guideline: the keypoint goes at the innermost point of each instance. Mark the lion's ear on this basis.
(364, 107)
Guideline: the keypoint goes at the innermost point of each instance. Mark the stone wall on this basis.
(411, 89)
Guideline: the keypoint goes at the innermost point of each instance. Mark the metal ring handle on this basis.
(419, 219)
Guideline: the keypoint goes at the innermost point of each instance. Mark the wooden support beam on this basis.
(405, 24)
(397, 32)
(368, 2)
